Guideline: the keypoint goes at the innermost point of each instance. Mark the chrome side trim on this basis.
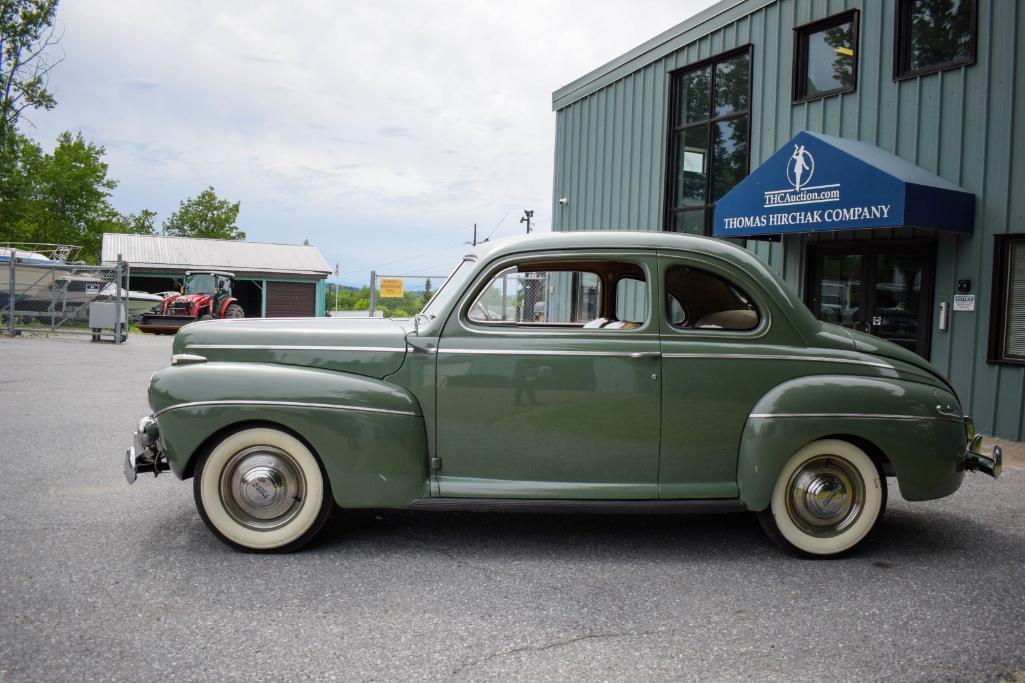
(860, 416)
(286, 404)
(760, 356)
(186, 358)
(544, 505)
(293, 347)
(540, 352)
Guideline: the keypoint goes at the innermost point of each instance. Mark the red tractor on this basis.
(205, 295)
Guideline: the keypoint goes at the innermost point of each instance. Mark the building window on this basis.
(933, 35)
(709, 117)
(1007, 334)
(825, 57)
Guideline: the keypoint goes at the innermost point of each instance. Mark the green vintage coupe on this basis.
(590, 371)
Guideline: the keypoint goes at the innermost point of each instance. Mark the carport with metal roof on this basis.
(272, 280)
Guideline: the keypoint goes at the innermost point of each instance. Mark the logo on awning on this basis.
(800, 169)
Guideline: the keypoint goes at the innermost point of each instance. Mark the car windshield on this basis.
(201, 284)
(453, 285)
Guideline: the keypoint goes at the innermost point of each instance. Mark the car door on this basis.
(537, 397)
(724, 345)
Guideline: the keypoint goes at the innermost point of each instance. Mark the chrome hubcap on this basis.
(825, 496)
(262, 487)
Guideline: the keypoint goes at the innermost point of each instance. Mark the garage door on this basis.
(291, 299)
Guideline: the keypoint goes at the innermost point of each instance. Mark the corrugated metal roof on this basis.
(159, 252)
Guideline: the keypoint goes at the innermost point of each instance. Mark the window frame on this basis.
(672, 130)
(760, 309)
(485, 278)
(902, 44)
(800, 62)
(1000, 299)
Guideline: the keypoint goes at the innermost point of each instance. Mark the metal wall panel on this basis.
(962, 124)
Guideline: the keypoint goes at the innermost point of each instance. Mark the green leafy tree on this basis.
(205, 216)
(63, 197)
(26, 36)
(142, 223)
(72, 195)
(428, 293)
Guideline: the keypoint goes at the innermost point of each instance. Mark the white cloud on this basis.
(378, 130)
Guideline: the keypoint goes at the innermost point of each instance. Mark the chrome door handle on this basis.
(646, 354)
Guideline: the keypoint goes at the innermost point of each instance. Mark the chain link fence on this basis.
(401, 296)
(41, 293)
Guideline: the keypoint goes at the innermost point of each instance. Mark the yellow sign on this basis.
(391, 288)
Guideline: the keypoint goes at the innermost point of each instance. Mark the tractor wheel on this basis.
(234, 311)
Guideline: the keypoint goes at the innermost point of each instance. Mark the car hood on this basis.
(868, 343)
(374, 347)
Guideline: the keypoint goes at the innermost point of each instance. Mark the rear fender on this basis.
(893, 419)
(224, 307)
(368, 434)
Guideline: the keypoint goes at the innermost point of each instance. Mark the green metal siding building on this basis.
(655, 138)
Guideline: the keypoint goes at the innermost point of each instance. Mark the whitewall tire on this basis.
(827, 499)
(262, 490)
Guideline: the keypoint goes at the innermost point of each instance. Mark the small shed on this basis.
(271, 280)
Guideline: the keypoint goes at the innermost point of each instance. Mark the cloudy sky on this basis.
(380, 130)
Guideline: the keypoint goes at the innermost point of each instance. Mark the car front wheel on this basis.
(827, 499)
(262, 490)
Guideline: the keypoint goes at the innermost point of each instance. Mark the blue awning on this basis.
(818, 183)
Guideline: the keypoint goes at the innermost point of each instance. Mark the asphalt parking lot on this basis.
(101, 580)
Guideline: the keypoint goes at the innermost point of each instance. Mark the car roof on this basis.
(612, 239)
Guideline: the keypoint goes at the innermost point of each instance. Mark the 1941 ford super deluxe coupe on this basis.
(624, 372)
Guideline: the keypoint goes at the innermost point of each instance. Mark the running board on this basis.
(625, 507)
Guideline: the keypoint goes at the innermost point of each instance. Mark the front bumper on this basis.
(978, 462)
(146, 453)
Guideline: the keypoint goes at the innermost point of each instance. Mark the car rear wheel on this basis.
(827, 499)
(262, 490)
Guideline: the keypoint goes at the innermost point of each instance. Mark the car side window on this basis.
(587, 295)
(632, 300)
(700, 300)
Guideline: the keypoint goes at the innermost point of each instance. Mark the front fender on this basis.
(369, 434)
(897, 418)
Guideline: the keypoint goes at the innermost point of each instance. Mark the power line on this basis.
(496, 226)
(410, 258)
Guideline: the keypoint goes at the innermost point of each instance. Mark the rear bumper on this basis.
(978, 462)
(146, 453)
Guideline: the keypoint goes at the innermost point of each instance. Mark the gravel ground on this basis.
(105, 581)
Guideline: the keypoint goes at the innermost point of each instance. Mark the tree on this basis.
(63, 197)
(142, 223)
(205, 216)
(26, 34)
(427, 295)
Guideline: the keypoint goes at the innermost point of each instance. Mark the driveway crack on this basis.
(550, 646)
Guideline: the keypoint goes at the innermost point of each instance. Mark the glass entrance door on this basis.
(883, 289)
